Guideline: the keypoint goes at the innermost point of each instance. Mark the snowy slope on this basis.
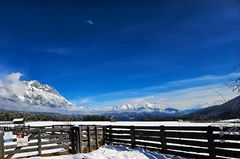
(42, 94)
(34, 93)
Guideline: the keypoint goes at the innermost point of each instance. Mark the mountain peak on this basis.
(36, 84)
(35, 93)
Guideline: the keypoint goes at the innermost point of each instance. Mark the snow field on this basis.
(115, 152)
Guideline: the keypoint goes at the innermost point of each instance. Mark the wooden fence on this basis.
(86, 138)
(196, 142)
(193, 142)
(70, 138)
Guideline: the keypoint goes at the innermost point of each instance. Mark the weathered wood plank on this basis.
(39, 143)
(188, 142)
(132, 137)
(186, 154)
(96, 137)
(210, 138)
(89, 139)
(118, 126)
(1, 145)
(120, 131)
(53, 141)
(157, 145)
(118, 136)
(147, 138)
(48, 136)
(121, 141)
(227, 145)
(163, 138)
(226, 137)
(80, 138)
(191, 135)
(147, 133)
(187, 148)
(186, 128)
(227, 153)
(20, 151)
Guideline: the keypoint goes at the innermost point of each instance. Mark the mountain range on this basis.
(38, 97)
(33, 94)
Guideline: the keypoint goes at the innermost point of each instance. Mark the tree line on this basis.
(34, 116)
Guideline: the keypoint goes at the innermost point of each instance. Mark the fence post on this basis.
(211, 146)
(74, 136)
(132, 137)
(39, 143)
(52, 130)
(73, 146)
(80, 138)
(1, 145)
(77, 133)
(96, 136)
(110, 134)
(162, 138)
(104, 135)
(89, 138)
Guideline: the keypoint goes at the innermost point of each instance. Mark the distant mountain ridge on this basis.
(228, 110)
(139, 107)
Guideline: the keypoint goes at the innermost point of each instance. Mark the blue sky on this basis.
(87, 49)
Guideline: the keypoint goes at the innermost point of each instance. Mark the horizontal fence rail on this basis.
(73, 139)
(39, 139)
(195, 142)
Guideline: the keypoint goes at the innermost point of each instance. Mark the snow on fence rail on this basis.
(197, 142)
(52, 138)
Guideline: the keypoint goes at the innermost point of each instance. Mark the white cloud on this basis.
(82, 101)
(182, 94)
(11, 84)
(174, 85)
(89, 22)
(190, 97)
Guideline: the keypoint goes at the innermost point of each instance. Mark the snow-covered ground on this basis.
(115, 152)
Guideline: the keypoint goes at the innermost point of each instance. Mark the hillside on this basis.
(228, 110)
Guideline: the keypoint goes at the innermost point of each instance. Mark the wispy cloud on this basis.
(206, 80)
(89, 22)
(200, 91)
(187, 98)
(82, 101)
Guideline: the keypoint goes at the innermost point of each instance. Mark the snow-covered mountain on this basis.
(147, 107)
(34, 93)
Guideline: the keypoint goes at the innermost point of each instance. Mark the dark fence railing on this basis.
(188, 141)
(73, 139)
(196, 142)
